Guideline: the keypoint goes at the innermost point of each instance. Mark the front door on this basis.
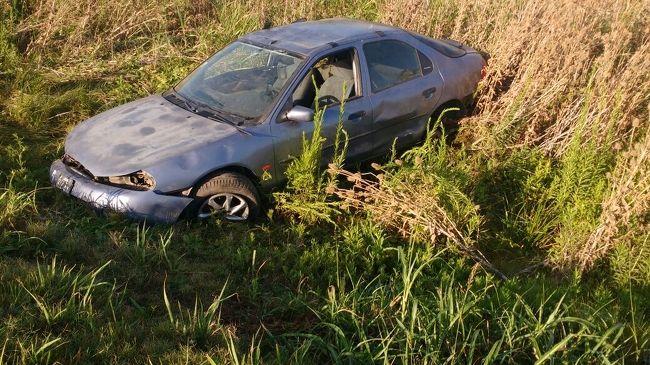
(331, 79)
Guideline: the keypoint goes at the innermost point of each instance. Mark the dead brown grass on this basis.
(416, 212)
(556, 66)
(626, 210)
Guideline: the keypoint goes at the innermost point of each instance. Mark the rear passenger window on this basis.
(425, 63)
(391, 62)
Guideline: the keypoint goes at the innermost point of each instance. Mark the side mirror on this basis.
(300, 113)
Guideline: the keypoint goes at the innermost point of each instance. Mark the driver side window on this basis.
(333, 78)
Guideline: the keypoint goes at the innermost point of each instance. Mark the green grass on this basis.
(316, 282)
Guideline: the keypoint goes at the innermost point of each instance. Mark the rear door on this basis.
(404, 90)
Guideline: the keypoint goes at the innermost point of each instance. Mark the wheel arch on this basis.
(248, 173)
(453, 103)
(187, 212)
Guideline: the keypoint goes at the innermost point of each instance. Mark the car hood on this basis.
(142, 133)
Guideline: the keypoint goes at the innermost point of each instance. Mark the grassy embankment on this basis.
(550, 173)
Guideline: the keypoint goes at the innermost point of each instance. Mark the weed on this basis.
(421, 195)
(200, 324)
(15, 204)
(307, 188)
(145, 251)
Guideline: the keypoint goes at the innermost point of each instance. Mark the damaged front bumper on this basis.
(141, 205)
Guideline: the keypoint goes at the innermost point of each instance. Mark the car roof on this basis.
(306, 37)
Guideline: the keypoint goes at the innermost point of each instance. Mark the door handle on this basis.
(429, 92)
(357, 115)
(286, 161)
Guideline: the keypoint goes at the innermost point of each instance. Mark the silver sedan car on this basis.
(202, 147)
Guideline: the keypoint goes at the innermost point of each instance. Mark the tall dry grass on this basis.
(556, 66)
(562, 72)
(624, 223)
(82, 28)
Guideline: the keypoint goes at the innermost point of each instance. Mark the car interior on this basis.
(329, 76)
(249, 90)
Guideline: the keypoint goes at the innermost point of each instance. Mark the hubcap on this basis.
(232, 207)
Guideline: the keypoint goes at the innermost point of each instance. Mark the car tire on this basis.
(229, 194)
(450, 121)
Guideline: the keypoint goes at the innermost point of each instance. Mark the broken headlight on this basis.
(138, 180)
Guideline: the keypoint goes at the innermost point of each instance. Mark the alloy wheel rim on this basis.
(231, 207)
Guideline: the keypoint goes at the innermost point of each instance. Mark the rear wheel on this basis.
(229, 195)
(449, 120)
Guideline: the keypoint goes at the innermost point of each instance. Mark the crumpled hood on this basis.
(144, 132)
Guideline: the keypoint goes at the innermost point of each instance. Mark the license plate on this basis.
(65, 184)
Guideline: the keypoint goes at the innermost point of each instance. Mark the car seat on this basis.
(336, 75)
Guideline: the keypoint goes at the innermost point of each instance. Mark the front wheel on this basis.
(229, 195)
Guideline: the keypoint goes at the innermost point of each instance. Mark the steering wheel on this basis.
(269, 94)
(328, 100)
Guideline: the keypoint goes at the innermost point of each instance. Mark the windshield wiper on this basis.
(207, 111)
(216, 116)
(189, 105)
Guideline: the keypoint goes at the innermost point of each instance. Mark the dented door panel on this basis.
(401, 112)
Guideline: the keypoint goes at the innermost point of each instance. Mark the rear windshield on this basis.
(448, 48)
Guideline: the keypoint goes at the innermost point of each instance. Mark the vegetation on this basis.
(547, 184)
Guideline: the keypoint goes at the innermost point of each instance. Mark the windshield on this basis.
(242, 79)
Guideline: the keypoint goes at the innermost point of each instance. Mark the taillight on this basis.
(483, 70)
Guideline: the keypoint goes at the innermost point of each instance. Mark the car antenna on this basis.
(267, 23)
